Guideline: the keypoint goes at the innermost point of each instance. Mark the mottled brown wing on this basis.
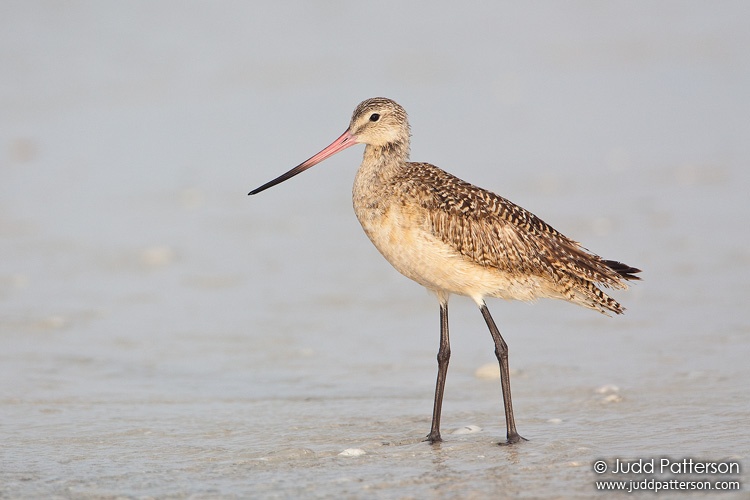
(495, 232)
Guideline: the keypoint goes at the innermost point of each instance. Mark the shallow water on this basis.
(164, 335)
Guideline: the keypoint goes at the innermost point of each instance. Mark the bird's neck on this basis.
(386, 159)
(380, 166)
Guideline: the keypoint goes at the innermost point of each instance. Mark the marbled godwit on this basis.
(455, 238)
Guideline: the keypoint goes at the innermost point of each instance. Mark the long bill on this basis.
(346, 140)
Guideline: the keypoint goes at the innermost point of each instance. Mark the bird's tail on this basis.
(625, 271)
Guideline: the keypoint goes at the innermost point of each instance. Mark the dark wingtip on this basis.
(627, 272)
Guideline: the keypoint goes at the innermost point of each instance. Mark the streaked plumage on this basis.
(455, 238)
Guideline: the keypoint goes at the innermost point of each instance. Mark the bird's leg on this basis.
(501, 351)
(444, 355)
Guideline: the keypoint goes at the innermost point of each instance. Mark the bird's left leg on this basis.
(444, 355)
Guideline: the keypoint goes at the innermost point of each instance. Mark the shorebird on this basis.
(455, 238)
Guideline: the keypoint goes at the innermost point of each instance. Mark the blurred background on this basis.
(162, 334)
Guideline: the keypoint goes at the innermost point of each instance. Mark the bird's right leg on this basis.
(444, 355)
(501, 352)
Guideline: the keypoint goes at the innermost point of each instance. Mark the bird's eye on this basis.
(374, 117)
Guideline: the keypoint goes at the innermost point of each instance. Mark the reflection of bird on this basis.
(455, 238)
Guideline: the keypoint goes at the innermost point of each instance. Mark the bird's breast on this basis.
(402, 234)
(400, 228)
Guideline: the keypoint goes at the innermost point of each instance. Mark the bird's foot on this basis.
(433, 437)
(514, 438)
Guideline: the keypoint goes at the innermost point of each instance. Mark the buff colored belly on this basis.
(405, 241)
